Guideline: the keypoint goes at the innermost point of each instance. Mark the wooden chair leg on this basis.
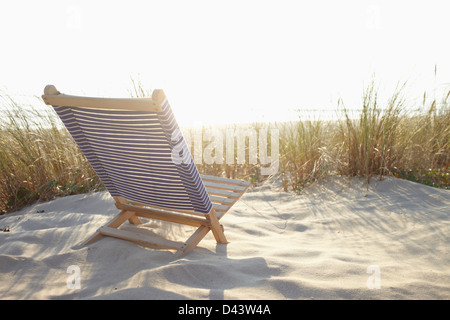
(193, 241)
(216, 228)
(134, 220)
(114, 223)
(201, 232)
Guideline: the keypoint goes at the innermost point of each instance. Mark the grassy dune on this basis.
(39, 160)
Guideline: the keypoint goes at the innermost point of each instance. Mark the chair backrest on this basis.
(132, 152)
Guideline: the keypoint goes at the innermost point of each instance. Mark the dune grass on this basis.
(39, 160)
(369, 144)
(392, 138)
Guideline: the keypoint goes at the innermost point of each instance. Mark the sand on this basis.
(335, 240)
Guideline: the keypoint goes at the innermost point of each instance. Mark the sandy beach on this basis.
(335, 240)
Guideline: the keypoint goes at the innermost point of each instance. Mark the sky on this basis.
(226, 61)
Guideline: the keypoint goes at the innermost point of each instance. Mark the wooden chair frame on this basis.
(224, 193)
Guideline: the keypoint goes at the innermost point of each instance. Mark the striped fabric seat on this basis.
(132, 153)
(136, 148)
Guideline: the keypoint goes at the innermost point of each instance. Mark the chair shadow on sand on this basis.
(221, 274)
(157, 274)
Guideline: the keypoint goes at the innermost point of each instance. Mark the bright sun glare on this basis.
(228, 61)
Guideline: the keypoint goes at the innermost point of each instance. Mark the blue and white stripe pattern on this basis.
(131, 152)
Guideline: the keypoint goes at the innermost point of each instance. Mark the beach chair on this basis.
(137, 150)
